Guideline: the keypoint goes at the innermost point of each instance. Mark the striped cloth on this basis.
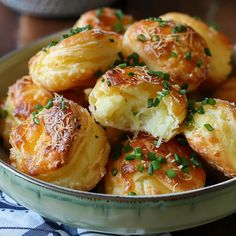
(16, 220)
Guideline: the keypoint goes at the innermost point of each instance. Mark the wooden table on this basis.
(19, 30)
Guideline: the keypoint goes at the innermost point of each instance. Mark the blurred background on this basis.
(27, 20)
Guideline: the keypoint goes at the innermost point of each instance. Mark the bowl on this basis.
(102, 212)
(55, 8)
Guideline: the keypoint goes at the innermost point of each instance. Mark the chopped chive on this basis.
(127, 148)
(209, 101)
(63, 105)
(52, 44)
(36, 120)
(196, 162)
(173, 54)
(155, 38)
(184, 162)
(166, 84)
(103, 80)
(164, 93)
(151, 156)
(3, 113)
(119, 14)
(184, 86)
(160, 74)
(132, 194)
(208, 127)
(188, 56)
(183, 91)
(213, 26)
(135, 113)
(79, 30)
(49, 104)
(150, 169)
(171, 173)
(179, 29)
(161, 22)
(38, 107)
(177, 159)
(156, 165)
(131, 74)
(185, 169)
(207, 52)
(130, 157)
(138, 153)
(114, 171)
(161, 159)
(118, 27)
(140, 168)
(65, 36)
(109, 83)
(35, 113)
(200, 110)
(199, 63)
(141, 37)
(156, 102)
(150, 103)
(138, 150)
(122, 65)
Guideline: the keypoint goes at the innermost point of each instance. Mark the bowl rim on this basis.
(101, 196)
(120, 198)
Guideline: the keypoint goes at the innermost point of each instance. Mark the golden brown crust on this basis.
(74, 60)
(125, 176)
(121, 96)
(106, 18)
(217, 146)
(22, 98)
(227, 90)
(220, 46)
(170, 47)
(59, 144)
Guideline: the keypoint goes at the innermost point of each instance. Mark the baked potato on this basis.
(220, 47)
(212, 134)
(74, 60)
(61, 144)
(145, 167)
(137, 99)
(173, 48)
(105, 18)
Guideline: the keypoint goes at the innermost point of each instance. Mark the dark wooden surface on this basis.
(18, 30)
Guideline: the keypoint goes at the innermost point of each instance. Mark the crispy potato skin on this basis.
(74, 60)
(21, 100)
(121, 101)
(107, 20)
(65, 139)
(218, 147)
(227, 90)
(220, 46)
(159, 45)
(130, 179)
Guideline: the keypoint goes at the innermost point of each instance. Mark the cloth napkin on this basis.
(16, 220)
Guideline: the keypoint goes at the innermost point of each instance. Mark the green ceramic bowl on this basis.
(107, 213)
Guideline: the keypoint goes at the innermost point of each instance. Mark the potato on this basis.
(146, 167)
(61, 144)
(135, 99)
